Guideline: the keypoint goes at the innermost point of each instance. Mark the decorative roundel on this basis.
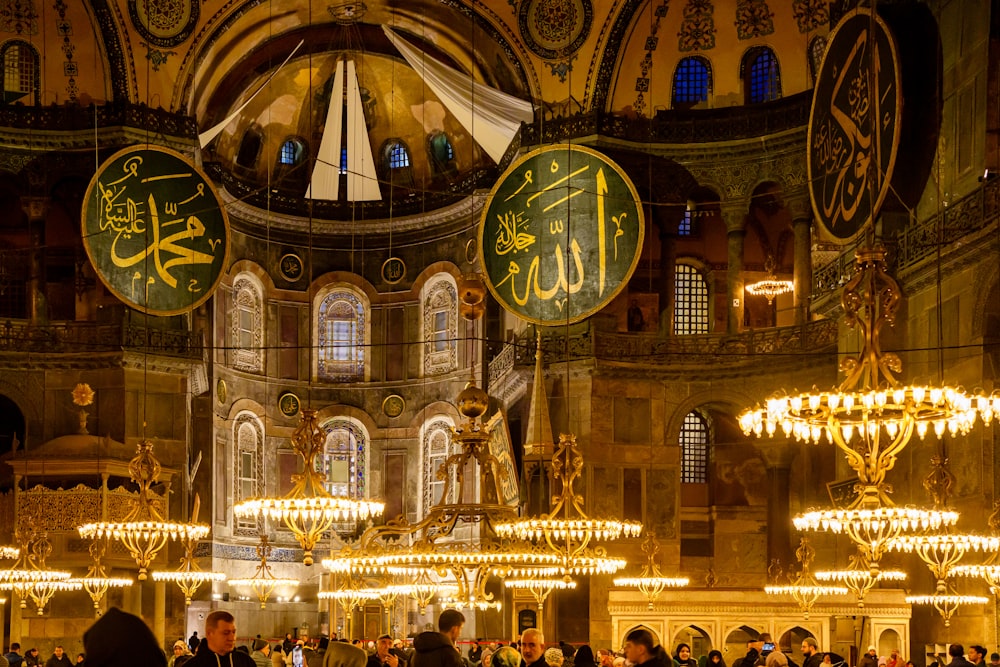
(555, 29)
(164, 22)
(854, 125)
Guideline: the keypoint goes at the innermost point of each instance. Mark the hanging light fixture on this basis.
(308, 510)
(770, 287)
(858, 578)
(540, 587)
(263, 583)
(651, 581)
(946, 603)
(871, 417)
(97, 581)
(805, 589)
(144, 531)
(189, 577)
(28, 577)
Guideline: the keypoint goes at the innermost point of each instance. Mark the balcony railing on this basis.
(725, 350)
(87, 337)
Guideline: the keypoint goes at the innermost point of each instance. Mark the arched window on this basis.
(686, 226)
(398, 155)
(344, 459)
(690, 301)
(291, 152)
(20, 72)
(248, 446)
(250, 146)
(341, 333)
(692, 82)
(760, 74)
(817, 47)
(440, 305)
(247, 324)
(397, 167)
(437, 448)
(694, 441)
(441, 152)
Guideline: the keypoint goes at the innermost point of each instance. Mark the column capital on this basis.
(35, 207)
(734, 217)
(799, 205)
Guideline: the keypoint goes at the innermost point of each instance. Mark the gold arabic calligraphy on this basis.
(848, 137)
(129, 211)
(513, 236)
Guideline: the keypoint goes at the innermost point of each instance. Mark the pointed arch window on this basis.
(691, 314)
(247, 324)
(692, 82)
(761, 75)
(341, 332)
(437, 447)
(20, 72)
(440, 305)
(694, 441)
(248, 445)
(398, 155)
(396, 163)
(343, 463)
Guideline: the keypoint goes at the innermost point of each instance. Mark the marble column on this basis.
(801, 209)
(735, 234)
(779, 456)
(38, 311)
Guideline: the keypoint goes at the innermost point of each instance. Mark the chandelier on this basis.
(770, 287)
(28, 577)
(308, 510)
(263, 583)
(540, 587)
(858, 579)
(651, 581)
(946, 603)
(871, 417)
(189, 577)
(805, 589)
(97, 581)
(144, 531)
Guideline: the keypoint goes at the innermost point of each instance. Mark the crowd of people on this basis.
(120, 639)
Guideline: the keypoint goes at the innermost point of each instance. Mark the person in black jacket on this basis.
(643, 651)
(437, 649)
(217, 648)
(59, 658)
(957, 653)
(120, 639)
(810, 651)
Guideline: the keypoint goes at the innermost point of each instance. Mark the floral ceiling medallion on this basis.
(164, 23)
(555, 29)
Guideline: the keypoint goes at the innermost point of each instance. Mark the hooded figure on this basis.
(119, 639)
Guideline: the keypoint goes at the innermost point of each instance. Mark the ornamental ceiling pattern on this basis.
(18, 17)
(810, 14)
(753, 19)
(697, 31)
(646, 66)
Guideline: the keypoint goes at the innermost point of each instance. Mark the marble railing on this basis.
(88, 337)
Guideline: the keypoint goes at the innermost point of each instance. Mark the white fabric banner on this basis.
(492, 117)
(362, 181)
(206, 137)
(325, 183)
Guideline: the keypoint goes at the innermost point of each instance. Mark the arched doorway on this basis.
(735, 645)
(790, 643)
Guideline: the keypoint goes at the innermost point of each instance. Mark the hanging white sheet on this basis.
(325, 183)
(492, 117)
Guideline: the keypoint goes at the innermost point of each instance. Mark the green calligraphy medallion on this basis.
(561, 234)
(155, 230)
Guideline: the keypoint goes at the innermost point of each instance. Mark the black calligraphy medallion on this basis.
(561, 234)
(854, 125)
(155, 230)
(164, 23)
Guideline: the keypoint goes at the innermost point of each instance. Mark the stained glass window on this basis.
(761, 77)
(343, 461)
(341, 351)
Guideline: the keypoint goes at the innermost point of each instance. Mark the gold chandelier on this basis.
(770, 287)
(144, 530)
(540, 587)
(263, 583)
(308, 510)
(189, 577)
(651, 581)
(858, 578)
(97, 581)
(871, 417)
(28, 577)
(805, 589)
